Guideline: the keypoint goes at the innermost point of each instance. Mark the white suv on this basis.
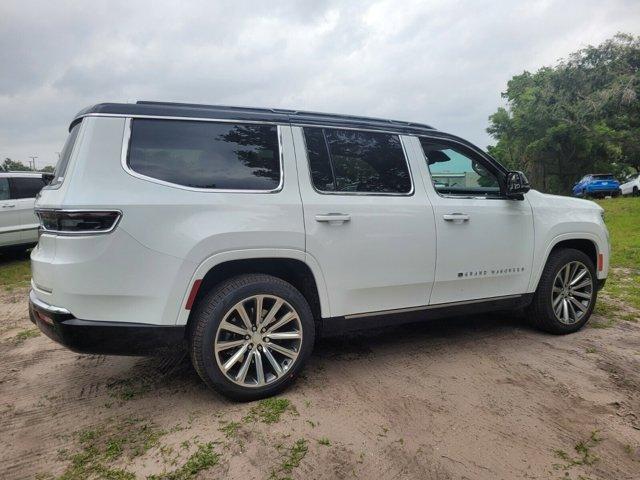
(241, 233)
(631, 185)
(18, 222)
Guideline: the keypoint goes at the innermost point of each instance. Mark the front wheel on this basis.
(566, 293)
(251, 336)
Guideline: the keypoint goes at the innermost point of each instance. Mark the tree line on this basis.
(580, 116)
(11, 165)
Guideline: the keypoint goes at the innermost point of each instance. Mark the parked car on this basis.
(631, 185)
(241, 234)
(18, 222)
(598, 185)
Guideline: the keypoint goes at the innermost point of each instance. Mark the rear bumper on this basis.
(603, 189)
(107, 338)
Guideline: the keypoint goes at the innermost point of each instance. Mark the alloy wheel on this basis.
(572, 292)
(258, 340)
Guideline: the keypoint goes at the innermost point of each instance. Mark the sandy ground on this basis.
(476, 398)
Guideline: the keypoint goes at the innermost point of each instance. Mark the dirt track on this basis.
(476, 397)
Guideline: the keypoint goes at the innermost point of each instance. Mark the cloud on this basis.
(439, 62)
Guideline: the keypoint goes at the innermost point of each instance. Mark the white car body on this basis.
(631, 186)
(386, 253)
(18, 222)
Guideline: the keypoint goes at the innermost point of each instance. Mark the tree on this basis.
(48, 169)
(581, 116)
(9, 164)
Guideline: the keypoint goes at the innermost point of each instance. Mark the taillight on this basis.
(78, 222)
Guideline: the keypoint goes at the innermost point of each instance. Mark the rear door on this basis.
(24, 191)
(367, 225)
(9, 215)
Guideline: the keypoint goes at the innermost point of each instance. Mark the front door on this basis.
(485, 241)
(368, 225)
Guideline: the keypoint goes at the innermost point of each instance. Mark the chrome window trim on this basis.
(429, 307)
(172, 117)
(124, 153)
(369, 194)
(80, 233)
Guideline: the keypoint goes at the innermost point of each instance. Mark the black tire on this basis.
(210, 312)
(584, 193)
(540, 312)
(635, 192)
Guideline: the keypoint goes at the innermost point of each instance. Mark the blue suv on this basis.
(597, 185)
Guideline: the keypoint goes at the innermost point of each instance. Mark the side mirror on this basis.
(517, 184)
(48, 177)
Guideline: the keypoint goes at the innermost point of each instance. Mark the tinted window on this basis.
(319, 163)
(65, 155)
(603, 177)
(26, 187)
(352, 161)
(458, 171)
(4, 189)
(206, 154)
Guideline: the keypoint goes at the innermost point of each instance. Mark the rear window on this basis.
(353, 161)
(65, 155)
(206, 155)
(27, 187)
(602, 177)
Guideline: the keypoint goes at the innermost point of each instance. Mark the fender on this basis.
(596, 240)
(222, 257)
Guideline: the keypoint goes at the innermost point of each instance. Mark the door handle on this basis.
(456, 217)
(11, 205)
(333, 218)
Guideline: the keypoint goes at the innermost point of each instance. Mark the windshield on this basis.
(65, 155)
(603, 177)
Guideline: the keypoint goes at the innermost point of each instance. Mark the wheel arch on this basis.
(293, 266)
(586, 243)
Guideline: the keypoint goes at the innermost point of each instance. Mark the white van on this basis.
(240, 234)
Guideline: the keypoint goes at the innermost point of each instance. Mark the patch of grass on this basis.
(269, 410)
(15, 274)
(202, 459)
(292, 459)
(23, 335)
(324, 441)
(230, 429)
(128, 389)
(584, 451)
(622, 216)
(610, 322)
(591, 350)
(99, 447)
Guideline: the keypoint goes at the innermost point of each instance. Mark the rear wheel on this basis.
(566, 293)
(251, 336)
(636, 192)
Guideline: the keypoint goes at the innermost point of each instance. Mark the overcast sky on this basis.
(439, 62)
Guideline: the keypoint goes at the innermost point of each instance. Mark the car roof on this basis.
(275, 115)
(271, 115)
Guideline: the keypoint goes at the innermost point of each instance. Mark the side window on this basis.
(65, 155)
(26, 187)
(352, 161)
(4, 189)
(455, 171)
(206, 154)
